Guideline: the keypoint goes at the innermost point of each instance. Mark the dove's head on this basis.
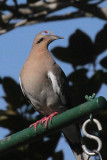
(45, 37)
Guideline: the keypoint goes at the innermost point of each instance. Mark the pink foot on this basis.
(45, 119)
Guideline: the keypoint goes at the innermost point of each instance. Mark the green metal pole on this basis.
(58, 122)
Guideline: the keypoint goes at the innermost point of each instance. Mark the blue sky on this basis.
(16, 44)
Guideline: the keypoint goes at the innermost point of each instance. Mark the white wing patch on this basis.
(55, 86)
(21, 86)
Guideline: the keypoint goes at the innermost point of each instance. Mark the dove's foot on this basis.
(44, 120)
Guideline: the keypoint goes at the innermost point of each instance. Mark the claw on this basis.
(44, 120)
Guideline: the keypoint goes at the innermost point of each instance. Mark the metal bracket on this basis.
(89, 98)
(92, 137)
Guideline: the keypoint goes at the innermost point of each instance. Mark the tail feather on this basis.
(73, 136)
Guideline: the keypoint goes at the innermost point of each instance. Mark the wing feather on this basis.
(59, 83)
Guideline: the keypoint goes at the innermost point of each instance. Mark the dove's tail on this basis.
(73, 136)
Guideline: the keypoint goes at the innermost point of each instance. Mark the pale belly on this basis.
(42, 96)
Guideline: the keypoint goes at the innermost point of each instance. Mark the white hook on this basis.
(92, 137)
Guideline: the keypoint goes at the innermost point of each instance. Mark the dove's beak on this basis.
(56, 37)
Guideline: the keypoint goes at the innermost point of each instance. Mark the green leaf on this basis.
(59, 155)
(14, 96)
(79, 52)
(101, 40)
(103, 62)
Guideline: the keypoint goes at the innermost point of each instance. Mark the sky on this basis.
(16, 44)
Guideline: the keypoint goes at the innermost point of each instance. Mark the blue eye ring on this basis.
(45, 33)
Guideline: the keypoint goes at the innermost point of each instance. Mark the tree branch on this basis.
(31, 13)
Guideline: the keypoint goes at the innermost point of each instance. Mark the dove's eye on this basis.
(45, 33)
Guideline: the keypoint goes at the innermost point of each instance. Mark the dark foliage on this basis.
(82, 53)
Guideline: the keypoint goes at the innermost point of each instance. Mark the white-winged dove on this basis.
(45, 85)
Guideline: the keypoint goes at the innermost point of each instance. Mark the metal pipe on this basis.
(58, 122)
